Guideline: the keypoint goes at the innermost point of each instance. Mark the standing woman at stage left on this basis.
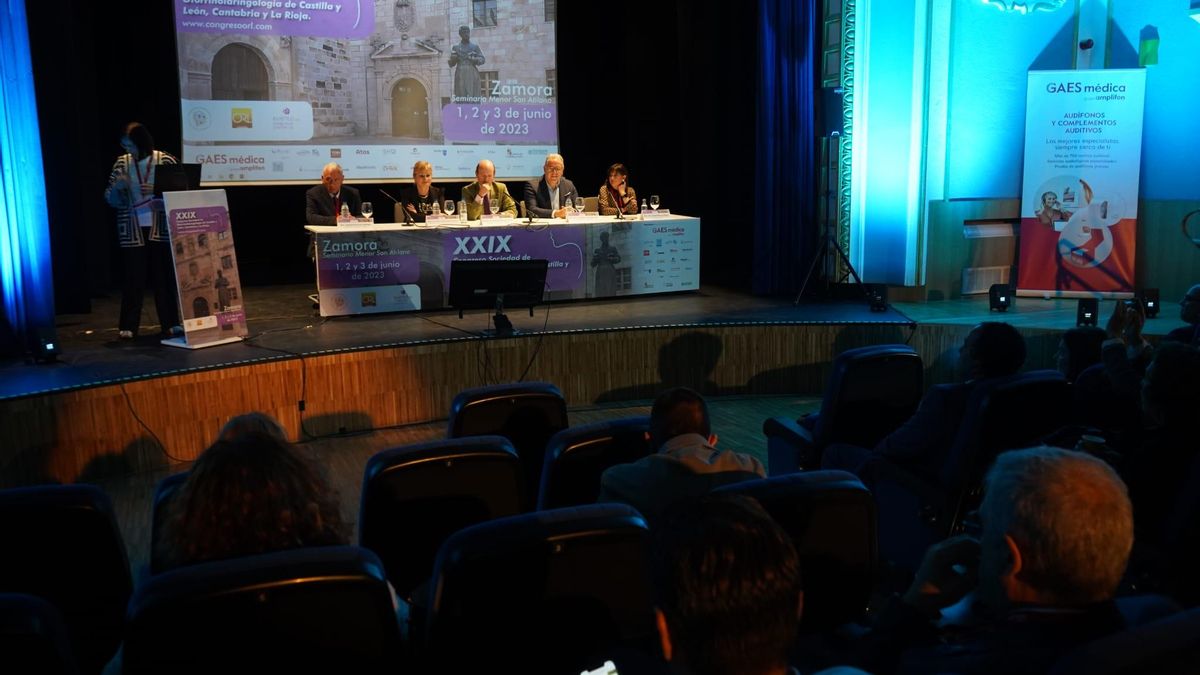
(142, 233)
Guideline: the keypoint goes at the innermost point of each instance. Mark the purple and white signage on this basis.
(206, 271)
(563, 247)
(310, 18)
(507, 122)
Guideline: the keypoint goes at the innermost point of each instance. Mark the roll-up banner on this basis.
(1079, 196)
(210, 289)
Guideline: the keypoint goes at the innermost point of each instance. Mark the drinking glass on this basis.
(579, 205)
(448, 207)
(654, 202)
(494, 205)
(367, 210)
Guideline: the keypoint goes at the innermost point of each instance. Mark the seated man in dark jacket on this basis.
(992, 349)
(1057, 532)
(687, 464)
(1189, 313)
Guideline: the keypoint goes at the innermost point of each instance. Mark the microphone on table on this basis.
(408, 219)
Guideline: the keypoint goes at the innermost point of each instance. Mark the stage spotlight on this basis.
(44, 346)
(877, 295)
(1149, 300)
(1086, 313)
(1000, 297)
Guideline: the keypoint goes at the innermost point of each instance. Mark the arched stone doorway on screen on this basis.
(410, 109)
(239, 73)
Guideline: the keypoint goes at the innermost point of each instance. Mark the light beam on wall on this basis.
(26, 282)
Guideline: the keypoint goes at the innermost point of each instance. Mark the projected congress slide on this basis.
(272, 90)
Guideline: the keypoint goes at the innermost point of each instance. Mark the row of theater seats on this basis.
(550, 591)
(871, 391)
(452, 526)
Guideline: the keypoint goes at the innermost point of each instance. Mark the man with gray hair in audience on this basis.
(1057, 529)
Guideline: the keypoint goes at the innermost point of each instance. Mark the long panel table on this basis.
(365, 268)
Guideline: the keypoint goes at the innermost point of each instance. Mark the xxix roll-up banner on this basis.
(1079, 197)
(210, 290)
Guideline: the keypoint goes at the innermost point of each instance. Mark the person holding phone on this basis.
(615, 195)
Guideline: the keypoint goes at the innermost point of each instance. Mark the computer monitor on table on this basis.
(497, 284)
(175, 178)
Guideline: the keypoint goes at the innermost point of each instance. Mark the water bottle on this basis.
(345, 212)
(462, 211)
(437, 209)
(644, 207)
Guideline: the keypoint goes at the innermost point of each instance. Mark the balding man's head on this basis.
(485, 172)
(332, 177)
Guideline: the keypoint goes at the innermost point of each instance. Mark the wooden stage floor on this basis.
(146, 407)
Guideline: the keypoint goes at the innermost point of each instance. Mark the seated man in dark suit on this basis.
(324, 202)
(992, 349)
(686, 463)
(547, 197)
(1057, 533)
(1189, 313)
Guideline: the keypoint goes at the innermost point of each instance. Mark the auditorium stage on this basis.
(326, 376)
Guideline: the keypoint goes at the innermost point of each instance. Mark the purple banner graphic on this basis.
(562, 246)
(199, 219)
(362, 271)
(312, 18)
(524, 123)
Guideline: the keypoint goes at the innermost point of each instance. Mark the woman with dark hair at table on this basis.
(615, 195)
(142, 233)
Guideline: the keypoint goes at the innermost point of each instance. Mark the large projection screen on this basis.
(272, 90)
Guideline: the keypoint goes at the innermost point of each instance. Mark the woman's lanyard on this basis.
(141, 210)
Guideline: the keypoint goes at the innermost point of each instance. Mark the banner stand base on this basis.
(183, 344)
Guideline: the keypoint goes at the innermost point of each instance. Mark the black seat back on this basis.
(577, 457)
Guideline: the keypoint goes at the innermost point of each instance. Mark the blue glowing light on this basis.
(26, 282)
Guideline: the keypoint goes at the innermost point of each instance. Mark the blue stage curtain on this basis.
(26, 282)
(785, 228)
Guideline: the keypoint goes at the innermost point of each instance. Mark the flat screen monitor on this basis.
(176, 178)
(477, 284)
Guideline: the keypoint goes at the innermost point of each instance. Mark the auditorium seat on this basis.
(164, 493)
(576, 457)
(1167, 646)
(33, 637)
(526, 413)
(61, 543)
(547, 592)
(415, 496)
(1004, 414)
(325, 609)
(870, 392)
(830, 517)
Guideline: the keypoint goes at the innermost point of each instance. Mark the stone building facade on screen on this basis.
(390, 86)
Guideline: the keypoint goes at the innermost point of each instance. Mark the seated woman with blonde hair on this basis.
(615, 196)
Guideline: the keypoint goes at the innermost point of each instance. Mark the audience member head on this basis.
(1171, 386)
(1057, 529)
(252, 423)
(676, 412)
(1189, 306)
(485, 172)
(246, 496)
(727, 587)
(991, 349)
(136, 140)
(332, 177)
(553, 169)
(1077, 349)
